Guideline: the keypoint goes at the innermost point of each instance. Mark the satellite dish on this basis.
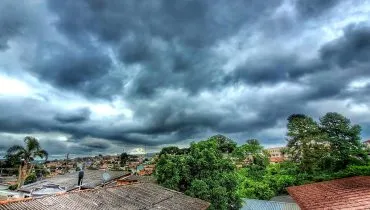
(106, 176)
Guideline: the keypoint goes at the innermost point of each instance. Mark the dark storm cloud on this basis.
(169, 38)
(76, 116)
(314, 8)
(85, 70)
(96, 144)
(161, 58)
(274, 70)
(13, 19)
(351, 49)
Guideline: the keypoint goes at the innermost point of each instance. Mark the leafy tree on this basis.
(172, 150)
(31, 178)
(124, 157)
(305, 141)
(344, 140)
(225, 144)
(28, 153)
(254, 151)
(202, 172)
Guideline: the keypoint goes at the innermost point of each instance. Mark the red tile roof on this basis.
(276, 159)
(347, 193)
(367, 141)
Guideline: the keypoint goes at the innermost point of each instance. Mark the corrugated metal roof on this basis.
(92, 178)
(131, 197)
(253, 204)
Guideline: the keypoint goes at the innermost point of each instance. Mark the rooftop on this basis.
(130, 197)
(252, 204)
(276, 159)
(92, 178)
(347, 193)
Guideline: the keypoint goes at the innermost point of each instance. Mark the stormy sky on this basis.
(93, 76)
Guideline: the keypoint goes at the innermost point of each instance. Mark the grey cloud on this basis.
(351, 49)
(13, 19)
(169, 38)
(314, 8)
(77, 116)
(138, 52)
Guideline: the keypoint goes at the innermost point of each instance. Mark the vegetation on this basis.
(321, 151)
(31, 178)
(202, 172)
(24, 156)
(124, 157)
(317, 151)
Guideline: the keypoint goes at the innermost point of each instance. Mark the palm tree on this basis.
(26, 154)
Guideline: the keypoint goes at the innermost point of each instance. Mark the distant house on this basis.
(367, 143)
(346, 193)
(131, 197)
(147, 170)
(127, 180)
(276, 159)
(276, 156)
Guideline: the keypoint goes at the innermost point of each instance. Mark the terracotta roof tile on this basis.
(347, 193)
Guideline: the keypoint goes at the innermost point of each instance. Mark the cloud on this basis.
(95, 76)
(79, 115)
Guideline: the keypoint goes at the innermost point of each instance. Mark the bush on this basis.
(13, 187)
(359, 170)
(30, 179)
(256, 190)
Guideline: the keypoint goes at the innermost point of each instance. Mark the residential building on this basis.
(367, 143)
(276, 155)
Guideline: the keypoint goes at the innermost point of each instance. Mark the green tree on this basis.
(344, 140)
(202, 172)
(27, 154)
(124, 157)
(31, 178)
(254, 151)
(306, 144)
(225, 144)
(171, 150)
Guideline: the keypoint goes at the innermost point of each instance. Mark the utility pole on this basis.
(66, 163)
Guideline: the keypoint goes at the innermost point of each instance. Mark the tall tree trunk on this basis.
(20, 176)
(23, 170)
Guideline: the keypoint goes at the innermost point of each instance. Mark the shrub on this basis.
(30, 179)
(359, 170)
(13, 187)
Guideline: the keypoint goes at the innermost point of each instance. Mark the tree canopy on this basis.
(25, 155)
(203, 172)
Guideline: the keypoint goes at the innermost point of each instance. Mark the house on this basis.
(276, 152)
(276, 156)
(276, 159)
(346, 193)
(146, 170)
(127, 180)
(367, 143)
(131, 197)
